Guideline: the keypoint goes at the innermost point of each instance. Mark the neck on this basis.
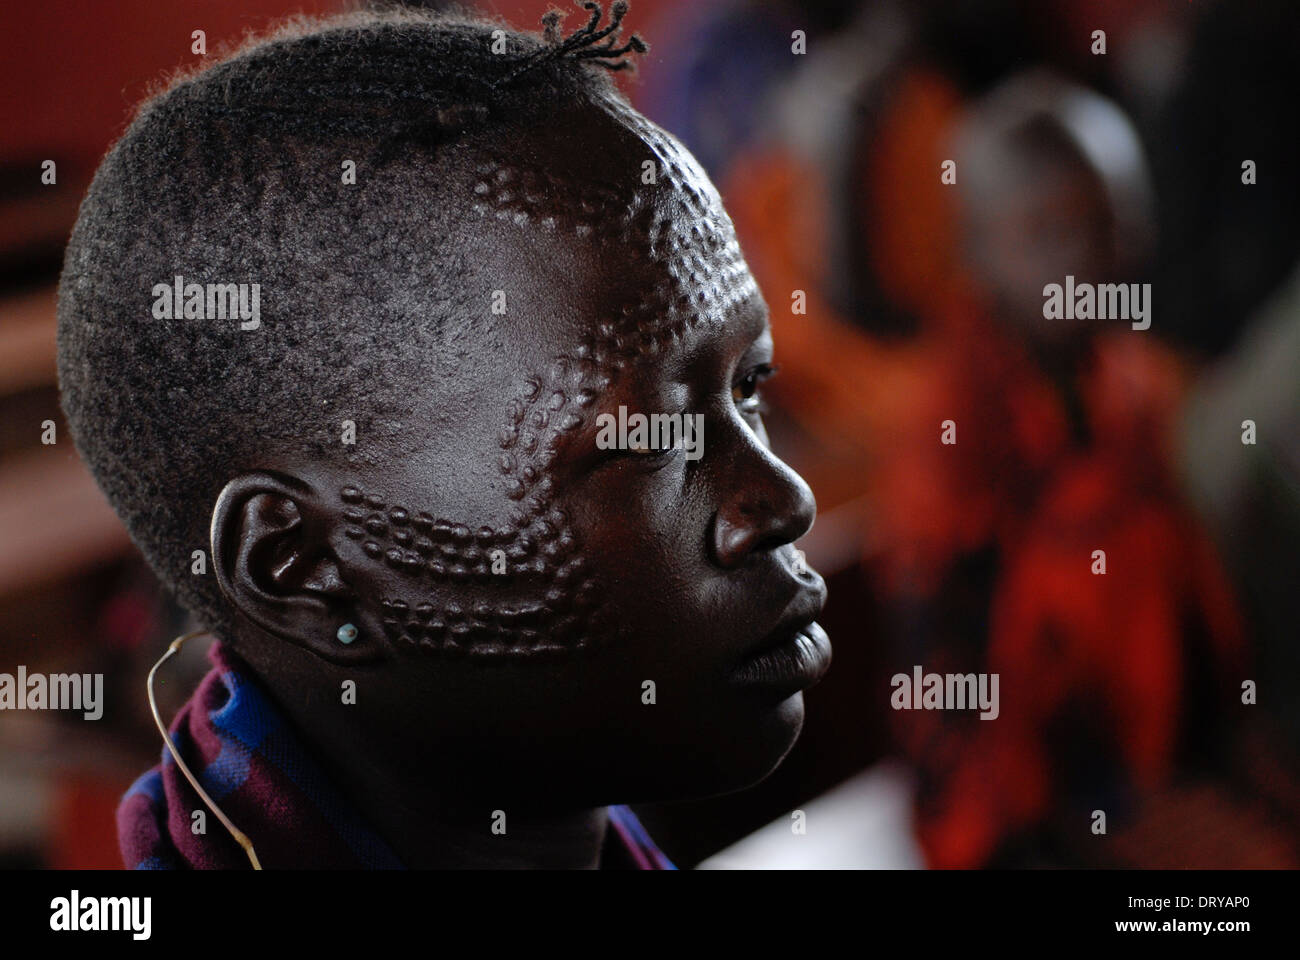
(416, 806)
(429, 827)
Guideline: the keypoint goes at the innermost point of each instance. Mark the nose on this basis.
(770, 506)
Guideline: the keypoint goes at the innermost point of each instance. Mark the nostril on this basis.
(739, 532)
(731, 541)
(773, 509)
(772, 541)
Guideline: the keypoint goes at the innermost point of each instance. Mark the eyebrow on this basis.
(744, 324)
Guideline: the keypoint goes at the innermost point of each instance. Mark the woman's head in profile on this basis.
(492, 453)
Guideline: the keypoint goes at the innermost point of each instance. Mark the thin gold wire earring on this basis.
(235, 832)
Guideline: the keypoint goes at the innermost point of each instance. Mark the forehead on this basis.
(611, 225)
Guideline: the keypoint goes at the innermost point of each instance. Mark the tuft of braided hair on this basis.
(584, 43)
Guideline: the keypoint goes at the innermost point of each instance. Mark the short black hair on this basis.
(233, 174)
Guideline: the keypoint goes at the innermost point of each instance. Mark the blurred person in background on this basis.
(1115, 666)
(983, 551)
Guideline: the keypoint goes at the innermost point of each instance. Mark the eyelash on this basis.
(750, 382)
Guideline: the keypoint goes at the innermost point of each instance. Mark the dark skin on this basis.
(626, 566)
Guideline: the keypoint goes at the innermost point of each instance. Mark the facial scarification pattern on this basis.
(678, 223)
(469, 616)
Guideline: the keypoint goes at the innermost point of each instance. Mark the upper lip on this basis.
(798, 615)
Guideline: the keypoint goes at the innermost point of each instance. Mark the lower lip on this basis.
(796, 664)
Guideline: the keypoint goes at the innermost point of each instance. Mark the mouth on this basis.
(793, 659)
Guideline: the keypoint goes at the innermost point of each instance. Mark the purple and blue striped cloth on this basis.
(253, 766)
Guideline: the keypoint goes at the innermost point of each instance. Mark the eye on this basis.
(744, 392)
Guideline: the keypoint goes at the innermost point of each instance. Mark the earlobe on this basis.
(273, 561)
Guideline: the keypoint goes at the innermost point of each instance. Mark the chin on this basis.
(729, 759)
(773, 737)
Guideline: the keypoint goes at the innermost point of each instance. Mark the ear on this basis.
(273, 561)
